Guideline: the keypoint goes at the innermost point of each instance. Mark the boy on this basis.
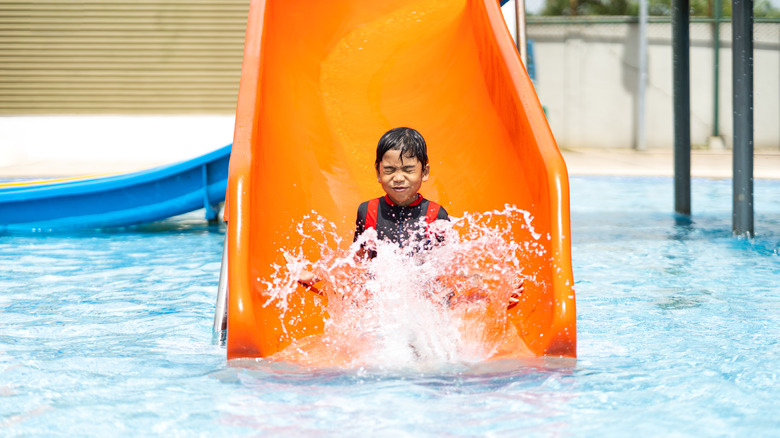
(401, 167)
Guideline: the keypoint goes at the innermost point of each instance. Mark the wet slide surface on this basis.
(321, 82)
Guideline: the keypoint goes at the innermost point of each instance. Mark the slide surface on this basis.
(117, 200)
(321, 82)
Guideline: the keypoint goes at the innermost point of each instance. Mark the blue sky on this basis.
(536, 5)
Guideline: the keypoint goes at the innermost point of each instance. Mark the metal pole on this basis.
(220, 311)
(641, 143)
(682, 106)
(520, 31)
(716, 69)
(742, 65)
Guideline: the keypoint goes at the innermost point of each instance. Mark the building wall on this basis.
(147, 57)
(587, 80)
(120, 56)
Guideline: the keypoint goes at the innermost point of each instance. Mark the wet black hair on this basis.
(410, 142)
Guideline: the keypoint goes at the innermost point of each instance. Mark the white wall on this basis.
(586, 77)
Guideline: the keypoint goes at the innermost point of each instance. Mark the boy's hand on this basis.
(514, 298)
(306, 278)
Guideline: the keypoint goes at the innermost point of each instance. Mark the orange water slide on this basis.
(321, 82)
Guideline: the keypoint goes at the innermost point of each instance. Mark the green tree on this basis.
(698, 8)
(590, 7)
(763, 9)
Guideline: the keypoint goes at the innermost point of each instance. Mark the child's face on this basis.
(401, 179)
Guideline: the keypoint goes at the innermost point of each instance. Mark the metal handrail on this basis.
(220, 312)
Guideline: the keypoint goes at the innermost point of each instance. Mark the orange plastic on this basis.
(322, 81)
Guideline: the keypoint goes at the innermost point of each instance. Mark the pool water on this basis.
(109, 333)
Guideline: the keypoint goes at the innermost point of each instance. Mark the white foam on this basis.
(419, 305)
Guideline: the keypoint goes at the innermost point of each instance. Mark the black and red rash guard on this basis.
(395, 223)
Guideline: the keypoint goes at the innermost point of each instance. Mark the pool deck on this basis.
(601, 162)
(705, 163)
(65, 146)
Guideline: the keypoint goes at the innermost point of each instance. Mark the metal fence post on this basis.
(742, 64)
(716, 69)
(682, 106)
(520, 31)
(641, 141)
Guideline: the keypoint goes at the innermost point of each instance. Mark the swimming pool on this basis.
(109, 333)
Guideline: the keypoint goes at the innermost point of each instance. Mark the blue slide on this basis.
(117, 200)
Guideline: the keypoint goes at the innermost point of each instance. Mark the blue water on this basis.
(108, 333)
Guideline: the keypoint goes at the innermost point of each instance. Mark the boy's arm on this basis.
(443, 214)
(305, 278)
(360, 221)
(360, 227)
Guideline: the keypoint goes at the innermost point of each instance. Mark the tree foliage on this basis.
(698, 8)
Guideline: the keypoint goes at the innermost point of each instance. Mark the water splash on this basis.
(430, 302)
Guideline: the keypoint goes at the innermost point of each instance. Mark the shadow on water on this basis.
(445, 378)
(682, 298)
(640, 209)
(188, 223)
(194, 222)
(593, 227)
(683, 220)
(638, 226)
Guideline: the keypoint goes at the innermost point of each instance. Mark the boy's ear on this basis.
(425, 173)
